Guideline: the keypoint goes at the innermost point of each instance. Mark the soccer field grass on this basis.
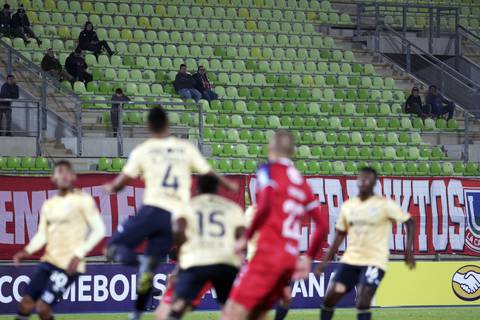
(467, 313)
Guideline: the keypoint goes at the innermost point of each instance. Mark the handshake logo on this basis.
(466, 283)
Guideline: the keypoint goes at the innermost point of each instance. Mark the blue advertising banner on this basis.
(111, 288)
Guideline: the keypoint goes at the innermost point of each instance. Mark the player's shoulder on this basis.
(81, 195)
(215, 199)
(353, 201)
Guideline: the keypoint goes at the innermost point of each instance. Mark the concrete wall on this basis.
(18, 146)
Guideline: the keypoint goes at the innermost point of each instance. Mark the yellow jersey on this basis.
(166, 165)
(211, 226)
(368, 224)
(69, 226)
(252, 244)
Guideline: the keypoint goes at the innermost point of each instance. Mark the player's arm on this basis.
(179, 232)
(130, 171)
(396, 214)
(409, 256)
(96, 234)
(200, 165)
(36, 243)
(332, 250)
(259, 218)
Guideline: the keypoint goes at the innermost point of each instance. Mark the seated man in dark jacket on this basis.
(20, 26)
(5, 20)
(76, 66)
(88, 40)
(414, 104)
(51, 65)
(185, 85)
(438, 104)
(9, 91)
(203, 85)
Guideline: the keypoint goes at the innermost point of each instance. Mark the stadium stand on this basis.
(271, 69)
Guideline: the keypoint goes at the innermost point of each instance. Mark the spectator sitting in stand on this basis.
(5, 20)
(438, 104)
(51, 65)
(114, 112)
(414, 104)
(9, 91)
(88, 41)
(20, 26)
(203, 84)
(185, 85)
(76, 67)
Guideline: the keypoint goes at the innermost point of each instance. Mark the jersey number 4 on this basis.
(170, 181)
(291, 225)
(211, 224)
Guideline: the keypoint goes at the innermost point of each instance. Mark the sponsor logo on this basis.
(472, 206)
(466, 283)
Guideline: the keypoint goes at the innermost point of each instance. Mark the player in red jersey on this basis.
(283, 197)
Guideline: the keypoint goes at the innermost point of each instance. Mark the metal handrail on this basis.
(470, 34)
(459, 76)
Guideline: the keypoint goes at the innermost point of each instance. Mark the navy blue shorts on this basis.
(48, 283)
(191, 281)
(351, 275)
(150, 223)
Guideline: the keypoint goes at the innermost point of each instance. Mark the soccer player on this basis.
(70, 226)
(367, 220)
(208, 256)
(283, 305)
(283, 197)
(165, 163)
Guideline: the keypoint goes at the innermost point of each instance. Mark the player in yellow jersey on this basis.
(165, 164)
(70, 226)
(208, 255)
(367, 220)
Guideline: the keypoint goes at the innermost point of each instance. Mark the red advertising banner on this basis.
(446, 210)
(21, 199)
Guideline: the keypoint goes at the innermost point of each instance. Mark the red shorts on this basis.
(167, 297)
(260, 283)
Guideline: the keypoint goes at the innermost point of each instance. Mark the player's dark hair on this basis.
(369, 170)
(63, 163)
(157, 119)
(207, 184)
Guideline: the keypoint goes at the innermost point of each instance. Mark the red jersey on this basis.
(283, 198)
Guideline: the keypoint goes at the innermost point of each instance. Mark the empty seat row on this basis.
(25, 163)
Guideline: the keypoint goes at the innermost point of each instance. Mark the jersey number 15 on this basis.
(211, 224)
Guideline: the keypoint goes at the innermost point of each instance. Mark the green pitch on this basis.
(467, 313)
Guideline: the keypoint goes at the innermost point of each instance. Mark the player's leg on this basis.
(284, 305)
(369, 279)
(345, 279)
(188, 285)
(159, 235)
(222, 278)
(120, 247)
(33, 292)
(234, 311)
(44, 311)
(163, 309)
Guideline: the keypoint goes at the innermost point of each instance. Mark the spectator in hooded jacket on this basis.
(185, 85)
(9, 90)
(51, 65)
(114, 111)
(203, 85)
(438, 104)
(20, 26)
(414, 104)
(88, 41)
(77, 67)
(5, 20)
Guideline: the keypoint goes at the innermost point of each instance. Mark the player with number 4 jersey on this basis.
(165, 164)
(283, 197)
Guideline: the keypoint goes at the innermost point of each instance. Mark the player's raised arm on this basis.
(409, 257)
(36, 243)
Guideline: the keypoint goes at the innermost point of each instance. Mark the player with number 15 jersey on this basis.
(283, 198)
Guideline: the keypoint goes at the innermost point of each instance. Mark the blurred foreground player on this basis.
(70, 226)
(367, 220)
(283, 197)
(208, 256)
(166, 164)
